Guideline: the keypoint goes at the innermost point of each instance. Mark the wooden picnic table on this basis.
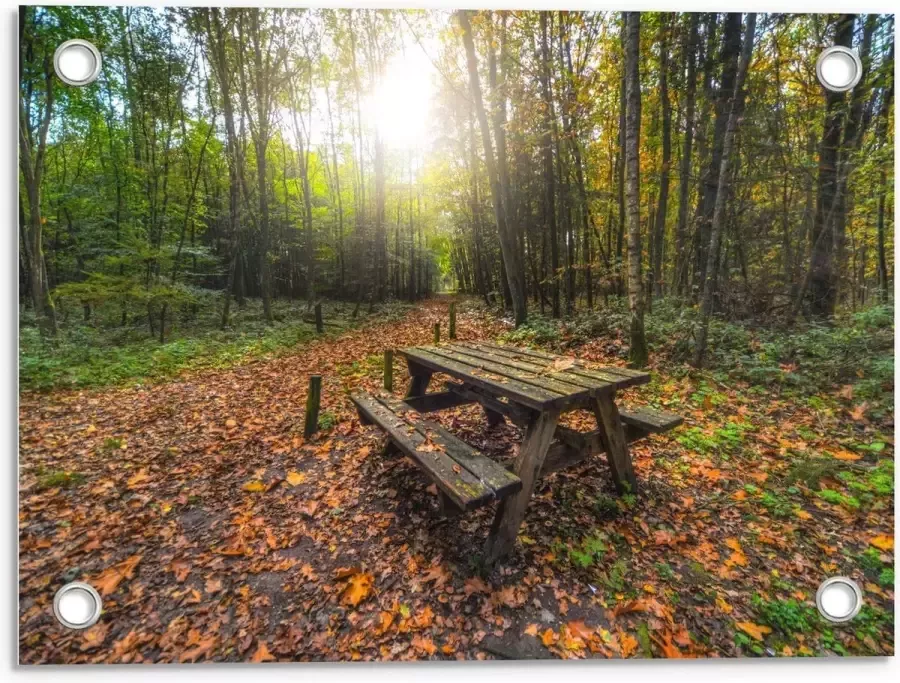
(533, 389)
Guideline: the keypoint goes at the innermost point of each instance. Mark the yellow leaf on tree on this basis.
(883, 542)
(754, 630)
(254, 486)
(295, 478)
(357, 589)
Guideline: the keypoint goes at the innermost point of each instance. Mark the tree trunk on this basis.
(684, 190)
(507, 242)
(823, 273)
(734, 111)
(659, 233)
(638, 351)
(548, 176)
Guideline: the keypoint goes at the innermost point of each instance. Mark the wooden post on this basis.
(452, 320)
(313, 397)
(389, 370)
(319, 324)
(437, 333)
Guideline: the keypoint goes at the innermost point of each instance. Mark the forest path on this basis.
(215, 532)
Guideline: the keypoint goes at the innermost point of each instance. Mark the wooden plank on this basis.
(628, 376)
(490, 473)
(533, 397)
(650, 419)
(511, 511)
(612, 436)
(540, 369)
(462, 487)
(565, 389)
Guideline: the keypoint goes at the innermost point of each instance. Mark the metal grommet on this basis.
(77, 62)
(839, 68)
(839, 599)
(77, 605)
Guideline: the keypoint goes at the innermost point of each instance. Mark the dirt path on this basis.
(214, 532)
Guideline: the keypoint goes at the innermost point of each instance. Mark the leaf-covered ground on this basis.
(215, 532)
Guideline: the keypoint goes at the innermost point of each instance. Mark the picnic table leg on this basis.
(493, 417)
(419, 377)
(511, 512)
(612, 436)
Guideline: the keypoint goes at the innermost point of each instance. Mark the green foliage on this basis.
(327, 420)
(57, 478)
(838, 498)
(93, 355)
(538, 330)
(788, 616)
(591, 549)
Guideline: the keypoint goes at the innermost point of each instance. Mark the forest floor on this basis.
(215, 532)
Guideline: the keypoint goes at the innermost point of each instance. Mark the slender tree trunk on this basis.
(549, 178)
(684, 189)
(734, 110)
(822, 279)
(507, 242)
(663, 203)
(638, 352)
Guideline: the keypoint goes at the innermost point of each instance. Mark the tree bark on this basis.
(638, 352)
(684, 189)
(734, 112)
(663, 203)
(507, 243)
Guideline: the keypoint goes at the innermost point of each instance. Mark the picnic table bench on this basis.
(531, 389)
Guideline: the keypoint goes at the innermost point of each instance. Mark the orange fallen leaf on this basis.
(295, 478)
(254, 486)
(94, 637)
(357, 589)
(845, 455)
(753, 630)
(109, 579)
(203, 648)
(885, 543)
(627, 644)
(138, 478)
(262, 653)
(424, 644)
(549, 637)
(580, 629)
(531, 630)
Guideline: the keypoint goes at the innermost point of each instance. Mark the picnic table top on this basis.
(533, 378)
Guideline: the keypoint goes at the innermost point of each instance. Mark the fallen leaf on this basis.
(262, 653)
(531, 630)
(357, 589)
(424, 644)
(755, 631)
(549, 637)
(845, 455)
(885, 543)
(109, 579)
(295, 478)
(254, 486)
